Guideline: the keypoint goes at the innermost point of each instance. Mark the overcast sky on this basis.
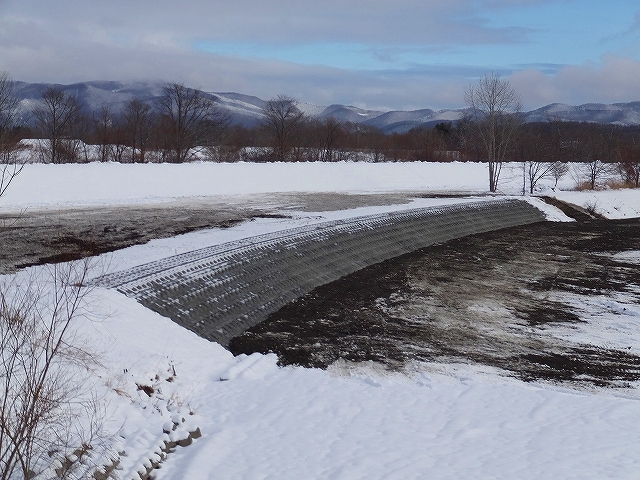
(400, 54)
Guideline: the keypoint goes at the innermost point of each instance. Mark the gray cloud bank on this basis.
(70, 40)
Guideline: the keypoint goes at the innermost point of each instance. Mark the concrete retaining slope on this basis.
(221, 291)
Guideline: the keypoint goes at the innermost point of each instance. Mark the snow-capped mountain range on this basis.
(247, 109)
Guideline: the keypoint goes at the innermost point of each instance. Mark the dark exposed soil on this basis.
(490, 299)
(48, 236)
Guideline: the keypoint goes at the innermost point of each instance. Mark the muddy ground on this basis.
(34, 237)
(493, 299)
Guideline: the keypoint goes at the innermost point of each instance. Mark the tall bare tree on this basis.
(10, 166)
(330, 131)
(189, 119)
(282, 118)
(494, 108)
(56, 116)
(103, 128)
(138, 119)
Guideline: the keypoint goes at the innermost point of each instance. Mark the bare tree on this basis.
(629, 165)
(10, 165)
(558, 170)
(110, 135)
(118, 147)
(375, 142)
(138, 121)
(594, 171)
(188, 119)
(630, 171)
(302, 140)
(331, 131)
(103, 125)
(432, 142)
(534, 150)
(282, 118)
(56, 117)
(536, 171)
(41, 379)
(8, 106)
(495, 117)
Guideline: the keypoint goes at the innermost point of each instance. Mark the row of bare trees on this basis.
(493, 131)
(287, 134)
(183, 124)
(180, 121)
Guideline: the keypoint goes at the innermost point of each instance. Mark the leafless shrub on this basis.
(44, 404)
(617, 184)
(223, 154)
(592, 207)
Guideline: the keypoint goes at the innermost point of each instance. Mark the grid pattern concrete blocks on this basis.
(221, 291)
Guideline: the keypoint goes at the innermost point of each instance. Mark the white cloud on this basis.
(613, 79)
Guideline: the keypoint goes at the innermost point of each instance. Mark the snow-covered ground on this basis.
(59, 186)
(259, 421)
(99, 183)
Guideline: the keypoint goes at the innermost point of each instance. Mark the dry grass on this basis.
(618, 184)
(611, 184)
(582, 186)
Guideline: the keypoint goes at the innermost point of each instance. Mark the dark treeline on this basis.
(185, 124)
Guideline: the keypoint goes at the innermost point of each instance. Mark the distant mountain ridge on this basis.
(247, 109)
(616, 113)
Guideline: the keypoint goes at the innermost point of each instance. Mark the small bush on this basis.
(592, 208)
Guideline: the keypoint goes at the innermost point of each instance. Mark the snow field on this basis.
(68, 185)
(99, 183)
